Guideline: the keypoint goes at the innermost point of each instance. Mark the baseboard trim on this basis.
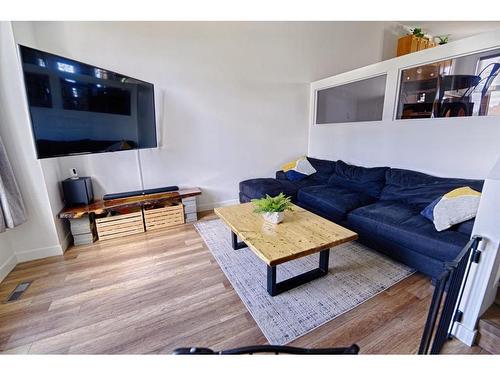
(464, 334)
(66, 242)
(43, 252)
(7, 266)
(212, 205)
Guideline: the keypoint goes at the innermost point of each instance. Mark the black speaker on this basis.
(78, 191)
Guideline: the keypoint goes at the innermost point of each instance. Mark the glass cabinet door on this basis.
(353, 102)
(463, 86)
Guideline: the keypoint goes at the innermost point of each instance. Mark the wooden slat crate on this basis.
(163, 217)
(411, 43)
(119, 225)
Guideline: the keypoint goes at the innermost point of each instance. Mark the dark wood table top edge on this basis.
(101, 206)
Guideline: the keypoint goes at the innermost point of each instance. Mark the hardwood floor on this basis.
(153, 292)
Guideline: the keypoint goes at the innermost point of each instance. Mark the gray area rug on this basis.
(357, 274)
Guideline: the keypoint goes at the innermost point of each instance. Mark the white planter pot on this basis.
(274, 217)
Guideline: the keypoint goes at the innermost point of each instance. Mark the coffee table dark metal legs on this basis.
(237, 244)
(274, 288)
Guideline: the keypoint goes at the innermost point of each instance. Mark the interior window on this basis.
(353, 102)
(492, 94)
(463, 86)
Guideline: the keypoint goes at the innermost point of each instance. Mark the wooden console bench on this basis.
(124, 216)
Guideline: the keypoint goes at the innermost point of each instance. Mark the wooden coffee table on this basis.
(301, 233)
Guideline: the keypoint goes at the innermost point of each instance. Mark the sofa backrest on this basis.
(420, 189)
(326, 167)
(369, 181)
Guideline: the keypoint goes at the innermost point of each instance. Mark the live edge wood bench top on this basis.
(301, 233)
(101, 206)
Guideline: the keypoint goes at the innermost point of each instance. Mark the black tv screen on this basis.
(78, 108)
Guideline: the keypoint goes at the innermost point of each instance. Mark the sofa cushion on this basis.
(280, 175)
(332, 201)
(389, 212)
(420, 189)
(465, 227)
(368, 181)
(259, 187)
(402, 224)
(324, 167)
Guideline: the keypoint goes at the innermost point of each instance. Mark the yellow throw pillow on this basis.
(291, 165)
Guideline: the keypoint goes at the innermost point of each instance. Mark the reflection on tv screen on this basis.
(79, 108)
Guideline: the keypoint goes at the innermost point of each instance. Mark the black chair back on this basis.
(275, 349)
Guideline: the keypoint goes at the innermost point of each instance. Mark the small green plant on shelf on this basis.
(273, 208)
(417, 31)
(442, 39)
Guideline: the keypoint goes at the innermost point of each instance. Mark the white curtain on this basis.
(12, 211)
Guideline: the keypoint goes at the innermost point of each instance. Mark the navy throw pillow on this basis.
(292, 175)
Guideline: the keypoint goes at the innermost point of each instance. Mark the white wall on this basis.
(8, 258)
(458, 147)
(231, 97)
(37, 237)
(482, 284)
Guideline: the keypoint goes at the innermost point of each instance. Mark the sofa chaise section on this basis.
(398, 230)
(394, 225)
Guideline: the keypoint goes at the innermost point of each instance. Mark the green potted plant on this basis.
(443, 39)
(417, 31)
(273, 208)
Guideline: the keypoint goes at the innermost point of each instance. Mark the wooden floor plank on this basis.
(155, 291)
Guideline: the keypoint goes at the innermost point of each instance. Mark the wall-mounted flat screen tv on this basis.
(78, 108)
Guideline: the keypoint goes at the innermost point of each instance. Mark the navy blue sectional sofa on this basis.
(381, 204)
